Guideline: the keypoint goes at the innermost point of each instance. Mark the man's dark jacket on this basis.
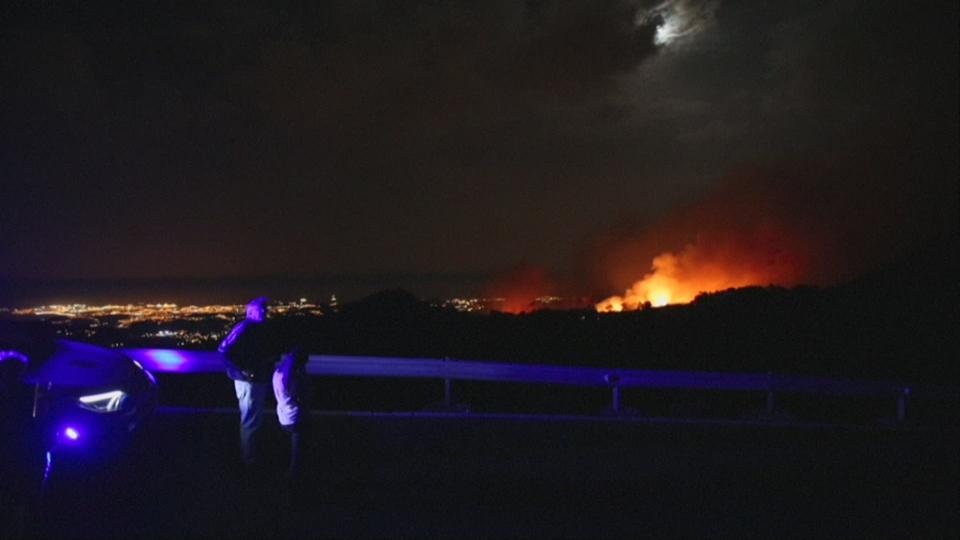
(251, 350)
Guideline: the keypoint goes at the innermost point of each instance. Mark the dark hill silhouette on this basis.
(395, 305)
(388, 323)
(896, 322)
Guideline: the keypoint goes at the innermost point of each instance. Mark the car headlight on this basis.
(103, 403)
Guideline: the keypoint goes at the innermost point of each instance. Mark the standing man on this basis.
(251, 350)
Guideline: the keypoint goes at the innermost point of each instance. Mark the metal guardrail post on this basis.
(447, 393)
(771, 397)
(902, 403)
(614, 381)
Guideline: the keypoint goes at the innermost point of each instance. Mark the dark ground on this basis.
(487, 476)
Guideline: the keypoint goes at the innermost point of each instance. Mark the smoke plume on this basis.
(783, 225)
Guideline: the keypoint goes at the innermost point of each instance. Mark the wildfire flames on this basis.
(658, 288)
(679, 278)
(784, 224)
(744, 235)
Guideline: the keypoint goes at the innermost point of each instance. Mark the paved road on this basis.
(396, 476)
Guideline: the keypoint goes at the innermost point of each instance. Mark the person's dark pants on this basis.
(298, 435)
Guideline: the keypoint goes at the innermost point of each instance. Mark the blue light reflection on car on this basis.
(165, 360)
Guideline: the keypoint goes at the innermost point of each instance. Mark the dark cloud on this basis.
(833, 124)
(303, 137)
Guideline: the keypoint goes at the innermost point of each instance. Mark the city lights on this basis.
(169, 325)
(181, 326)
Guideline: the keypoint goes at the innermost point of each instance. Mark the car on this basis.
(86, 400)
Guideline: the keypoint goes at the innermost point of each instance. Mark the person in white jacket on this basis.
(291, 387)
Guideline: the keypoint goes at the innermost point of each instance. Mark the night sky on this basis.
(573, 140)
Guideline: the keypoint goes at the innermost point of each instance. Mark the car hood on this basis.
(79, 364)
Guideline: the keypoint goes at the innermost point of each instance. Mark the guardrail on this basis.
(178, 361)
